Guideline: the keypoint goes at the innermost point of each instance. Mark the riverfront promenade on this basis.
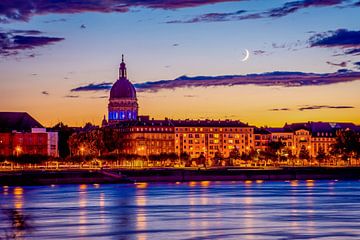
(93, 176)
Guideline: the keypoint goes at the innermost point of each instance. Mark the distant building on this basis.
(22, 134)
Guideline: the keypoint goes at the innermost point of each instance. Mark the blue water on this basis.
(195, 210)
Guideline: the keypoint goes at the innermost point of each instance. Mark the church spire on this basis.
(122, 69)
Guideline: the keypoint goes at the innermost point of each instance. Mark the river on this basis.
(193, 210)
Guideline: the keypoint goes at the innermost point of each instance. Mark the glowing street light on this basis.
(82, 149)
(18, 150)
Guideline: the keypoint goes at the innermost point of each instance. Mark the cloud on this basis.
(286, 79)
(342, 38)
(348, 40)
(357, 64)
(99, 97)
(357, 4)
(341, 64)
(312, 107)
(294, 6)
(71, 96)
(45, 93)
(354, 51)
(23, 10)
(211, 17)
(279, 109)
(56, 20)
(317, 107)
(93, 87)
(259, 52)
(13, 41)
(286, 9)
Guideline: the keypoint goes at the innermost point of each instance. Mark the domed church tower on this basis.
(123, 104)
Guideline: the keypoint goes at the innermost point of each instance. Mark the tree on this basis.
(185, 157)
(347, 145)
(304, 153)
(218, 157)
(275, 149)
(234, 154)
(321, 155)
(64, 133)
(114, 139)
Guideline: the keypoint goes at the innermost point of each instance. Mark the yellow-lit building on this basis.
(147, 137)
(206, 137)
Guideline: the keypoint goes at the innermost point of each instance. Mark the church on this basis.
(123, 104)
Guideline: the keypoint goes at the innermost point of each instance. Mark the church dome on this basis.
(122, 88)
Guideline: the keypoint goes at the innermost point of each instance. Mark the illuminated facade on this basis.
(206, 137)
(22, 134)
(123, 104)
(262, 137)
(148, 137)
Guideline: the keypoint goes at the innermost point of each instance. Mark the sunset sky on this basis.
(58, 59)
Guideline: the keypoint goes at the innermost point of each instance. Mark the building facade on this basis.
(207, 137)
(22, 134)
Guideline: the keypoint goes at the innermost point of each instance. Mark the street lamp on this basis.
(82, 149)
(18, 150)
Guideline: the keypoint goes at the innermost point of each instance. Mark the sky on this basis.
(59, 59)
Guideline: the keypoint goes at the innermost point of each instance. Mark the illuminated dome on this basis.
(122, 88)
(122, 103)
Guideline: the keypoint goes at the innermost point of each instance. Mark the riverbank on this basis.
(174, 175)
(235, 174)
(23, 178)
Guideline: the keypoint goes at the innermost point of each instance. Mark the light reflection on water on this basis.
(194, 210)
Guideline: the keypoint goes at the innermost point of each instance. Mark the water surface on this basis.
(194, 210)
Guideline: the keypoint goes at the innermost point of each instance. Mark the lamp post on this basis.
(82, 149)
(18, 150)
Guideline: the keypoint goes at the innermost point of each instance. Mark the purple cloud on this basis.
(71, 96)
(284, 10)
(93, 87)
(56, 20)
(317, 107)
(354, 51)
(341, 64)
(291, 7)
(342, 38)
(357, 64)
(13, 41)
(23, 10)
(285, 79)
(211, 17)
(259, 52)
(279, 109)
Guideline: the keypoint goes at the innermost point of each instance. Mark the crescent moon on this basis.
(246, 56)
